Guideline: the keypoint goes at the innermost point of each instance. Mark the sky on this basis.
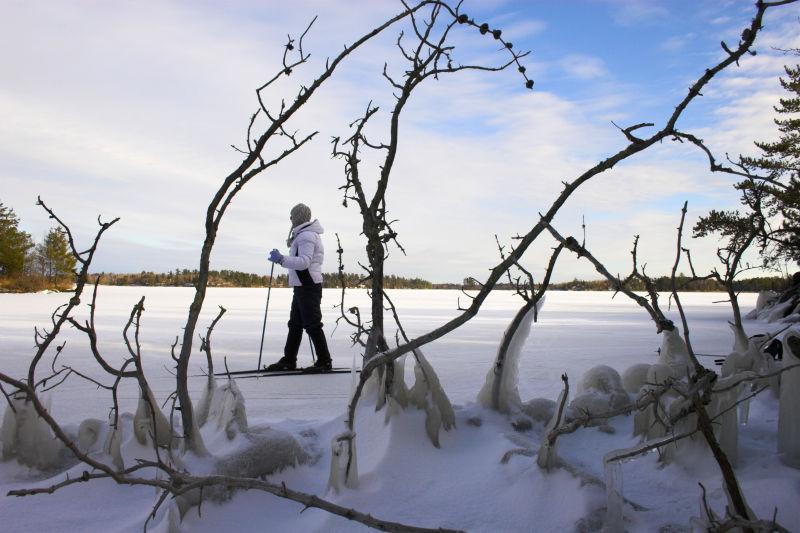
(129, 109)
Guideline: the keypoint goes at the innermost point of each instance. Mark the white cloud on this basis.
(635, 12)
(677, 42)
(584, 67)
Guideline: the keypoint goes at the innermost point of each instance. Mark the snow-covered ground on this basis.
(402, 477)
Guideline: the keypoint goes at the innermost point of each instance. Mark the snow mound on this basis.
(539, 409)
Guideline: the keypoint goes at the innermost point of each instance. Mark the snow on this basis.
(401, 475)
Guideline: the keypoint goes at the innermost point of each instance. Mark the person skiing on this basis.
(304, 263)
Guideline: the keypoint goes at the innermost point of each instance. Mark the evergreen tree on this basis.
(53, 258)
(780, 164)
(14, 244)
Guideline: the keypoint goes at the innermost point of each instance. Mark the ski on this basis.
(299, 372)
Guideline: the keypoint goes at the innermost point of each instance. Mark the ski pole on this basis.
(266, 309)
(311, 345)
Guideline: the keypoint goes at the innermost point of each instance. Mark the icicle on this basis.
(614, 514)
(8, 431)
(727, 428)
(427, 394)
(353, 378)
(788, 419)
(744, 412)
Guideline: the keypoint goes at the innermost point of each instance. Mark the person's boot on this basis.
(323, 362)
(284, 363)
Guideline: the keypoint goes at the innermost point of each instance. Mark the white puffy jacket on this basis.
(304, 261)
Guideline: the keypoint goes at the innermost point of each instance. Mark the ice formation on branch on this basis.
(397, 396)
(647, 421)
(789, 411)
(205, 400)
(344, 468)
(614, 514)
(674, 353)
(500, 391)
(600, 391)
(547, 457)
(635, 377)
(427, 394)
(26, 436)
(227, 411)
(143, 427)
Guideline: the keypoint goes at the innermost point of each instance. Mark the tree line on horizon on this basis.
(233, 278)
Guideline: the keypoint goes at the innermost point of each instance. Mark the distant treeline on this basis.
(684, 284)
(233, 278)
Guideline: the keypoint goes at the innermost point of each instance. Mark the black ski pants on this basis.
(306, 315)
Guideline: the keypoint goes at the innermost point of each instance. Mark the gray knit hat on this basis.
(300, 214)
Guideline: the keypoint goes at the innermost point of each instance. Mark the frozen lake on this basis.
(576, 330)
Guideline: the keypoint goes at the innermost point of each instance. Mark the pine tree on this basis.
(53, 258)
(14, 244)
(780, 163)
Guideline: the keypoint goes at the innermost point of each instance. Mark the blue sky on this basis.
(129, 108)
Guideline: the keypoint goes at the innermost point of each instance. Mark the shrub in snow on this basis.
(500, 391)
(26, 436)
(634, 377)
(226, 411)
(600, 391)
(144, 428)
(789, 411)
(539, 409)
(427, 394)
